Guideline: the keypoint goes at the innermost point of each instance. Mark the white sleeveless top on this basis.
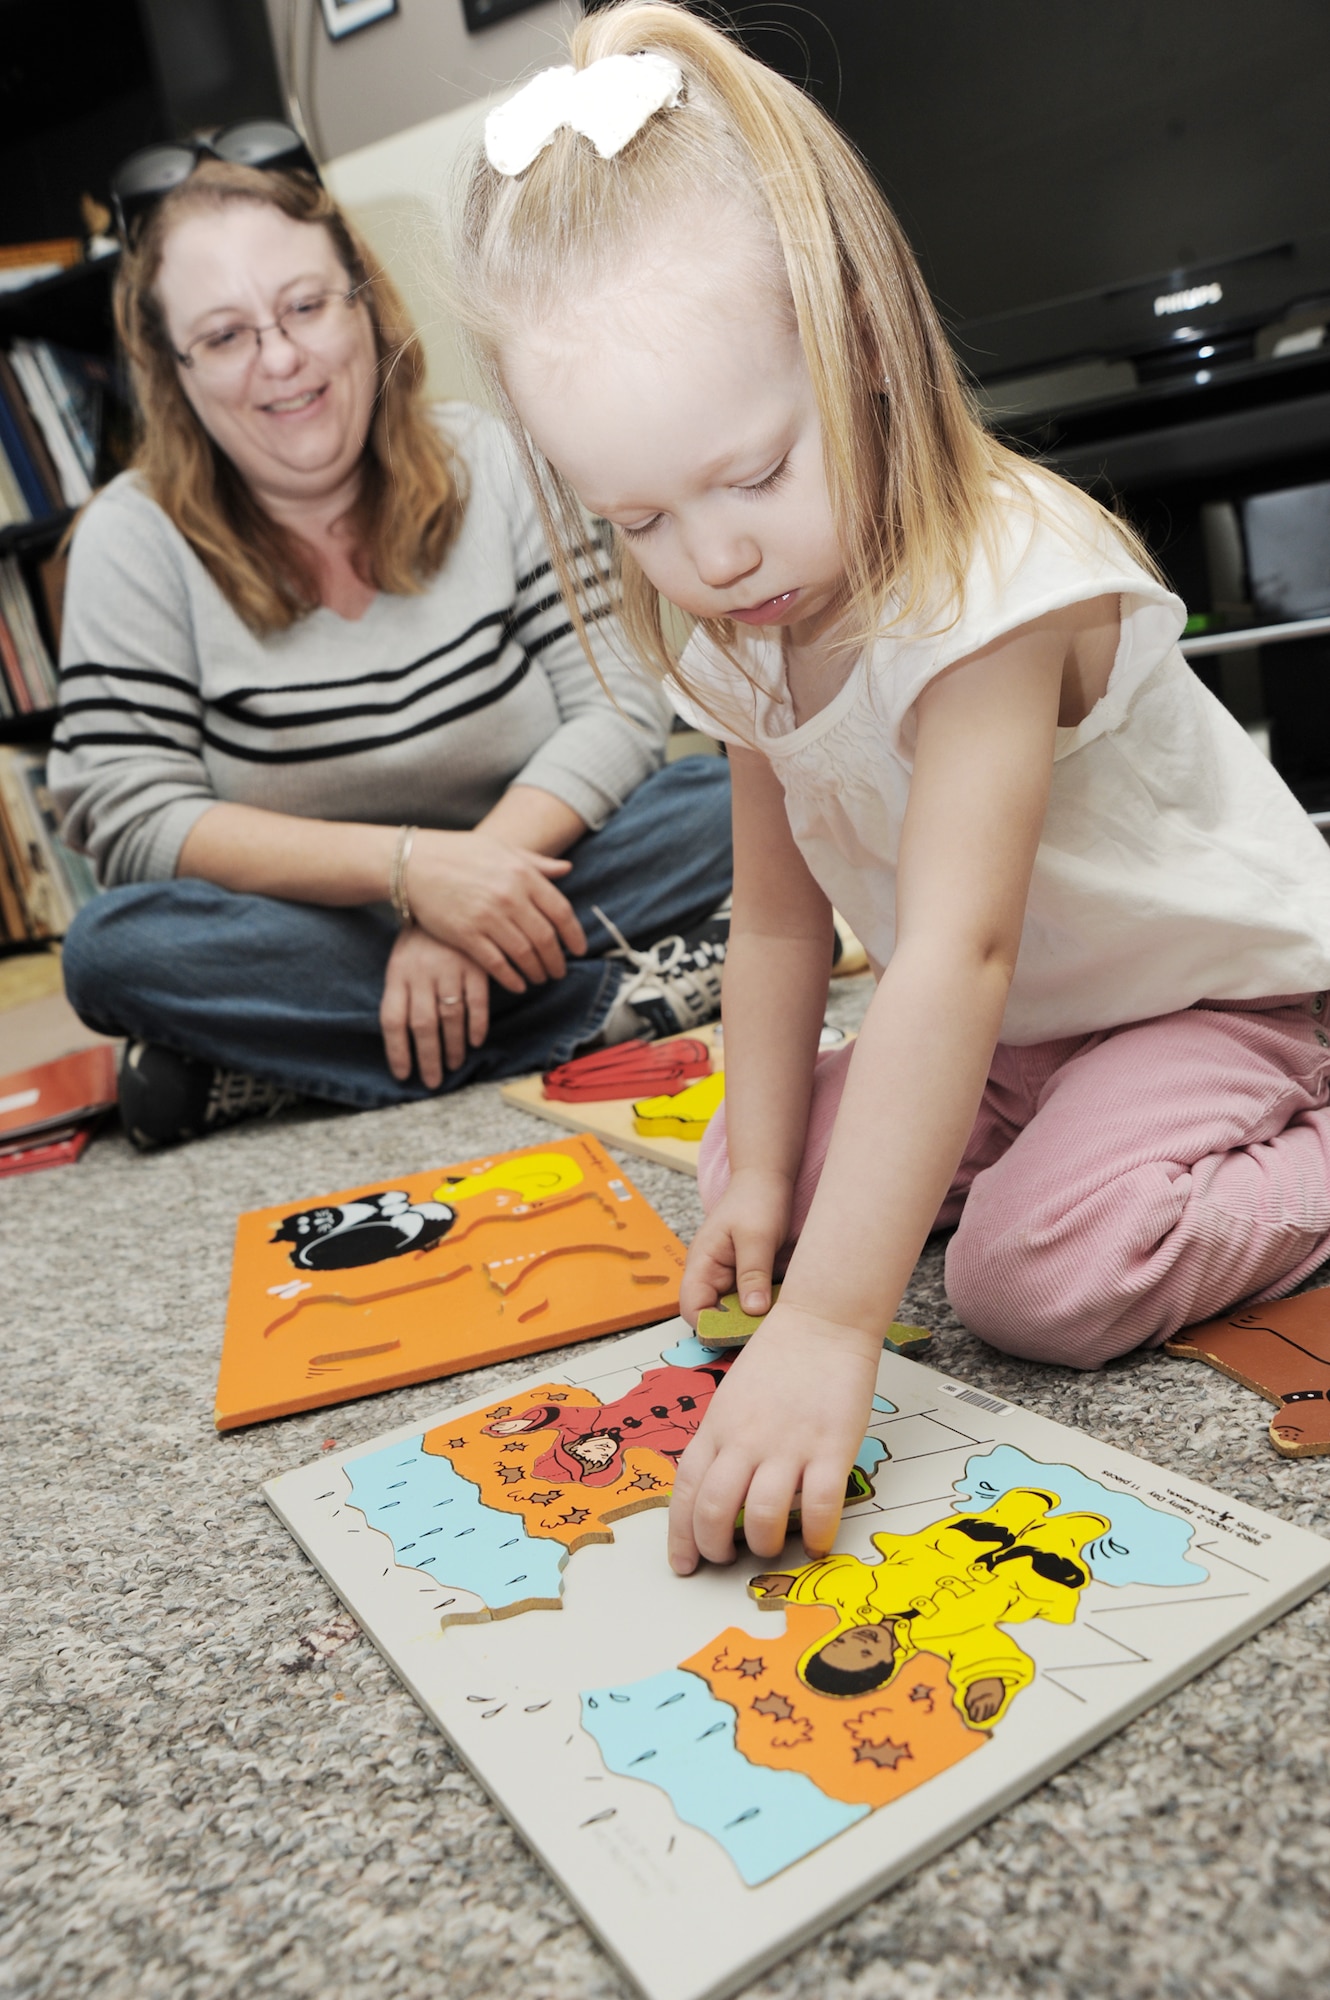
(1175, 865)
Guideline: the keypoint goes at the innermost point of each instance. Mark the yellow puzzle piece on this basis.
(686, 1115)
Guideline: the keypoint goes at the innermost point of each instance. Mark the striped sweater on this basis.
(424, 710)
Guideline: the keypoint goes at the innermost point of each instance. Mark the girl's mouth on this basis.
(770, 612)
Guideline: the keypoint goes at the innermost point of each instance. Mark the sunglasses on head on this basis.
(147, 176)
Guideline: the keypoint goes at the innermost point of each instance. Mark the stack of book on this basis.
(43, 883)
(48, 1114)
(50, 426)
(27, 672)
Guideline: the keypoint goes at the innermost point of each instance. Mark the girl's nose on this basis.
(722, 562)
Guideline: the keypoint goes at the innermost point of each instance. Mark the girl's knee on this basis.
(1029, 1300)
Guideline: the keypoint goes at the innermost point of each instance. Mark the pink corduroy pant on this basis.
(1120, 1185)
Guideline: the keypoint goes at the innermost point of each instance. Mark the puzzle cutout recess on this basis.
(434, 1272)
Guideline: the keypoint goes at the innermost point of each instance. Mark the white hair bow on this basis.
(608, 102)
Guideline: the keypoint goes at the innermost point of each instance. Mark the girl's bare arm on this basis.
(792, 1410)
(776, 970)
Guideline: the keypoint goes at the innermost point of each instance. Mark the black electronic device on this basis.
(1084, 178)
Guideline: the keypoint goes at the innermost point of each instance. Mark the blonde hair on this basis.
(911, 472)
(410, 503)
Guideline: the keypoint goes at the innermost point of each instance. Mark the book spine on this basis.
(15, 678)
(25, 472)
(74, 482)
(32, 437)
(19, 610)
(35, 885)
(69, 400)
(42, 816)
(13, 507)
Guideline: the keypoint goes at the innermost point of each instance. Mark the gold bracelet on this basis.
(397, 895)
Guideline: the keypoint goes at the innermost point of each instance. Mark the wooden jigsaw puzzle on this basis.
(664, 1119)
(1282, 1351)
(426, 1274)
(764, 1747)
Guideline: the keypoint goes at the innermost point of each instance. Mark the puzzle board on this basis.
(715, 1767)
(424, 1274)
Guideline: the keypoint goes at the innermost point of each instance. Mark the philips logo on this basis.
(1185, 302)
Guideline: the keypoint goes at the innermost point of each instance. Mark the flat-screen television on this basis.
(1084, 177)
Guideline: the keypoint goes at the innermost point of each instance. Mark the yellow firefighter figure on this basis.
(946, 1590)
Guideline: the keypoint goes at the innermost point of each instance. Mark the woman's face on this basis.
(293, 412)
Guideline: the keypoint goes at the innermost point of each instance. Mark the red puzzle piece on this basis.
(630, 1069)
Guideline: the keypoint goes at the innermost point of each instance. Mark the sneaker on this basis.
(675, 985)
(165, 1097)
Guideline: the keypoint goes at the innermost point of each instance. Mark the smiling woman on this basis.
(357, 788)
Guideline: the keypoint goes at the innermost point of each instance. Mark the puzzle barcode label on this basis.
(976, 1398)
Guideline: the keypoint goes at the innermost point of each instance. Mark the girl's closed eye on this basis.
(770, 480)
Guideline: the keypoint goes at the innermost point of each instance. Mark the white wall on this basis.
(401, 193)
(407, 69)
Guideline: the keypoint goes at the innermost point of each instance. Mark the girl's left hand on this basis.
(788, 1418)
(437, 997)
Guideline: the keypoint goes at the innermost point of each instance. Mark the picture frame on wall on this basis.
(484, 13)
(344, 17)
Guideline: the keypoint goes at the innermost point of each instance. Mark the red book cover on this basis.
(52, 1149)
(57, 1093)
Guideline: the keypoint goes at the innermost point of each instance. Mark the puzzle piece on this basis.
(630, 1069)
(728, 1325)
(1282, 1351)
(685, 1115)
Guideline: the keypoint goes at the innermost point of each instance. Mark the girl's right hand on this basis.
(735, 1249)
(495, 904)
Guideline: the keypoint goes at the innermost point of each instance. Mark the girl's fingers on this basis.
(691, 1469)
(767, 1507)
(721, 1494)
(821, 1504)
(754, 1255)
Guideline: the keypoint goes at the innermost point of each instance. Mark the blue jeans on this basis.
(291, 991)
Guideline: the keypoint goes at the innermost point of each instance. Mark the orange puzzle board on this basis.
(420, 1275)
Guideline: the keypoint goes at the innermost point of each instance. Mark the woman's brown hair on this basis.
(914, 479)
(411, 498)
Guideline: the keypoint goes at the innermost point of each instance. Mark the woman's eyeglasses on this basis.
(226, 353)
(147, 176)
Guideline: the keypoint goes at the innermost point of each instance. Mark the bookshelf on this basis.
(72, 312)
(66, 315)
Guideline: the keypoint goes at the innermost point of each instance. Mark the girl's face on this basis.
(293, 413)
(678, 405)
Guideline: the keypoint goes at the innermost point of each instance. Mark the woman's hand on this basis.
(429, 988)
(788, 1418)
(495, 904)
(736, 1246)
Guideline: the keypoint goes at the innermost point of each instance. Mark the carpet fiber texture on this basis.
(213, 1786)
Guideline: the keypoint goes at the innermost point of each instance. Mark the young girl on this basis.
(955, 708)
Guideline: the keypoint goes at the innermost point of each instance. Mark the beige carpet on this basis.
(214, 1790)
